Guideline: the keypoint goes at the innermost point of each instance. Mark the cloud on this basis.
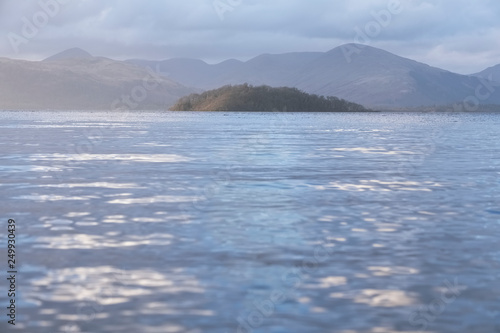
(431, 30)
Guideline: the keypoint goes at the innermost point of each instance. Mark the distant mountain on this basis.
(274, 70)
(369, 76)
(74, 53)
(74, 80)
(379, 78)
(492, 73)
(263, 98)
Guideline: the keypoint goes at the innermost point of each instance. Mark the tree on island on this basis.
(246, 97)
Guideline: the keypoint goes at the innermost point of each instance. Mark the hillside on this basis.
(492, 73)
(263, 98)
(377, 77)
(74, 80)
(369, 76)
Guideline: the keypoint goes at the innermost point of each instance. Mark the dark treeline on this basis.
(262, 98)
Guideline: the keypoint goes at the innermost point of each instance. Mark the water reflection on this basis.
(107, 298)
(138, 158)
(155, 199)
(98, 185)
(54, 197)
(380, 298)
(96, 242)
(364, 185)
(375, 150)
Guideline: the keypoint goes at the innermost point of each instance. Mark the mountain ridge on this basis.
(95, 83)
(492, 73)
(368, 75)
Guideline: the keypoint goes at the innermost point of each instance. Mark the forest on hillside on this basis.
(246, 97)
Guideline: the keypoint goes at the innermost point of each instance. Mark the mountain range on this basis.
(358, 73)
(74, 79)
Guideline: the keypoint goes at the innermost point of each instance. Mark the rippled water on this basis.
(240, 222)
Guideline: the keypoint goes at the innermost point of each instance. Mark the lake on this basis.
(252, 222)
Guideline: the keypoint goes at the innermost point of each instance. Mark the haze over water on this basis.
(239, 222)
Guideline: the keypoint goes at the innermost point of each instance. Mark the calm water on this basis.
(281, 223)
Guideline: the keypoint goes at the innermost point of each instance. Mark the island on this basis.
(246, 97)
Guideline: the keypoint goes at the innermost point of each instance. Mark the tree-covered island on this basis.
(246, 97)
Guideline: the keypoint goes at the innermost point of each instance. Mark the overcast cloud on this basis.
(458, 35)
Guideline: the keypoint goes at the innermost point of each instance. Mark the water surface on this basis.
(238, 222)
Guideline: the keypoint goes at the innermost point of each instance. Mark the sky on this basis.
(457, 35)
